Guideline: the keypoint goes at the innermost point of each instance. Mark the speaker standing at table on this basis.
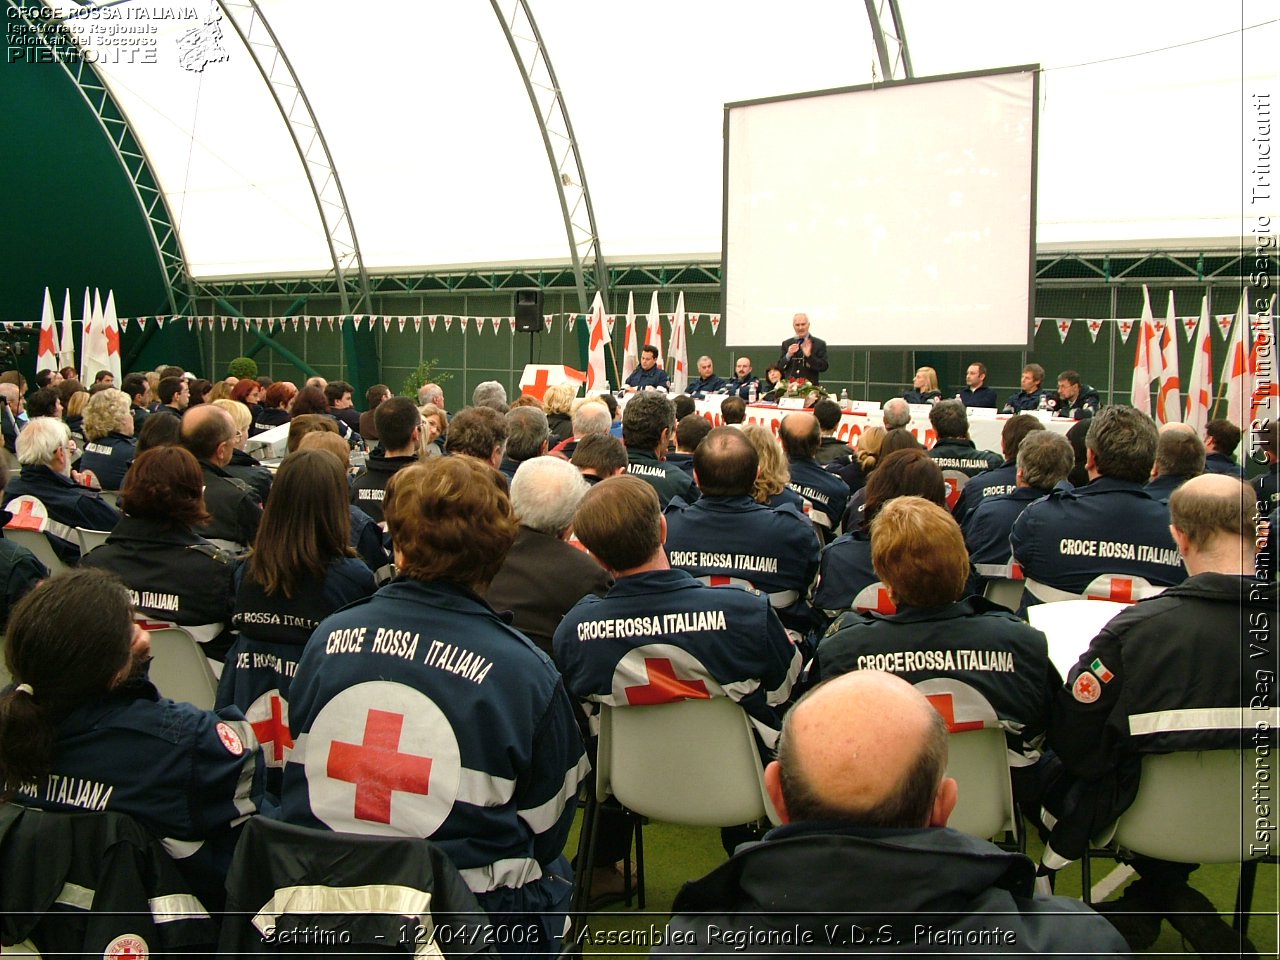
(804, 356)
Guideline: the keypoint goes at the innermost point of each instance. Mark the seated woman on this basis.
(773, 385)
(310, 400)
(73, 415)
(301, 570)
(249, 393)
(924, 388)
(771, 482)
(176, 574)
(109, 442)
(993, 662)
(846, 567)
(436, 424)
(83, 714)
(370, 542)
(275, 407)
(160, 431)
(242, 466)
(559, 404)
(201, 391)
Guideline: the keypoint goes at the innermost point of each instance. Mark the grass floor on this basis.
(675, 854)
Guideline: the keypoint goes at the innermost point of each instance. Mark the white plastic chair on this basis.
(874, 598)
(179, 668)
(91, 539)
(27, 528)
(954, 481)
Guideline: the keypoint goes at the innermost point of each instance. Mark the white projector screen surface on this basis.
(898, 216)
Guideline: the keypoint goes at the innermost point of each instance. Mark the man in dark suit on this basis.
(543, 576)
(804, 357)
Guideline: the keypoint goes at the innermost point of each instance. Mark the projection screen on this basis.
(896, 216)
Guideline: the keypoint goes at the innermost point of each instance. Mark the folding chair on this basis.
(874, 598)
(693, 762)
(28, 526)
(1191, 807)
(1005, 583)
(179, 668)
(90, 539)
(954, 481)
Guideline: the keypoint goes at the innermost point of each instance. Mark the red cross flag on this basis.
(381, 758)
(536, 377)
(1169, 397)
(597, 375)
(47, 352)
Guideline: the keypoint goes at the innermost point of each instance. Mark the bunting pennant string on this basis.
(1093, 327)
(1126, 328)
(1064, 327)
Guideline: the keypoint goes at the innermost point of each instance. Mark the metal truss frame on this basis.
(313, 151)
(890, 38)
(540, 83)
(68, 53)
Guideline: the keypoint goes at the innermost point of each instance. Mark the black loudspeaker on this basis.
(528, 311)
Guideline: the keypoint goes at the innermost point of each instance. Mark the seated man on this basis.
(543, 576)
(528, 436)
(1110, 526)
(727, 535)
(599, 457)
(1154, 668)
(210, 434)
(648, 376)
(84, 730)
(659, 635)
(831, 449)
(706, 381)
(1031, 396)
(1076, 400)
(691, 430)
(954, 450)
(1002, 479)
(743, 380)
(733, 411)
(399, 425)
(1221, 437)
(1044, 460)
(1179, 457)
(826, 493)
(981, 658)
(647, 424)
(591, 416)
(385, 704)
(479, 432)
(864, 851)
(45, 450)
(976, 393)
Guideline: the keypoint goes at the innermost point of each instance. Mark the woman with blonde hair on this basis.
(924, 387)
(243, 466)
(868, 452)
(558, 401)
(771, 482)
(109, 443)
(435, 423)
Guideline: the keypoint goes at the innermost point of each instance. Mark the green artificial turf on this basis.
(675, 854)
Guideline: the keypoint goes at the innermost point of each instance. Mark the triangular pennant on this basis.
(608, 323)
(1094, 326)
(332, 321)
(1064, 327)
(417, 324)
(1037, 323)
(386, 324)
(693, 322)
(400, 322)
(1189, 326)
(1158, 325)
(160, 322)
(142, 322)
(448, 323)
(306, 324)
(511, 322)
(296, 321)
(715, 324)
(124, 324)
(547, 320)
(497, 324)
(224, 324)
(1126, 327)
(190, 322)
(1224, 324)
(569, 322)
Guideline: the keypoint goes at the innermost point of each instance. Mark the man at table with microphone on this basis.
(804, 356)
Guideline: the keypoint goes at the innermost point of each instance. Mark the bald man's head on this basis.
(865, 749)
(208, 432)
(800, 435)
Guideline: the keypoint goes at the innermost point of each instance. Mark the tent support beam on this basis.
(890, 39)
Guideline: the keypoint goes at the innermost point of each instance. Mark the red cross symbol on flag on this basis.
(377, 768)
(664, 686)
(273, 729)
(878, 601)
(1119, 589)
(28, 514)
(945, 704)
(538, 388)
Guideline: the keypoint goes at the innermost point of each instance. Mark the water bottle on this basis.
(844, 399)
(1044, 403)
(752, 391)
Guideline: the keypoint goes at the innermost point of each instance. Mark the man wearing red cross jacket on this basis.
(659, 635)
(419, 712)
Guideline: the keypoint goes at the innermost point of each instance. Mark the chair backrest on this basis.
(977, 758)
(692, 762)
(179, 668)
(1193, 807)
(89, 539)
(111, 496)
(874, 597)
(27, 527)
(38, 544)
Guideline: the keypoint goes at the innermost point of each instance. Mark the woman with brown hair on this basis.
(177, 574)
(301, 570)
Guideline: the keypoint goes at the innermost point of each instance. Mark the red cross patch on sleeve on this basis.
(230, 739)
(1086, 689)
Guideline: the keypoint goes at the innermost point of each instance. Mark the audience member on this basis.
(896, 414)
(276, 402)
(733, 411)
(899, 438)
(599, 456)
(831, 449)
(311, 400)
(175, 573)
(490, 393)
(82, 712)
(954, 450)
(1000, 480)
(588, 418)
(249, 393)
(1079, 475)
(1221, 437)
(301, 570)
(771, 483)
(431, 393)
(105, 376)
(479, 432)
(1030, 397)
(367, 538)
(73, 415)
(989, 665)
(976, 393)
(307, 423)
(242, 466)
(109, 442)
(924, 387)
(399, 424)
(1179, 457)
(1076, 400)
(338, 396)
(44, 403)
(47, 378)
(527, 437)
(690, 431)
(436, 425)
(136, 389)
(202, 391)
(20, 570)
(11, 404)
(826, 493)
(860, 785)
(1156, 664)
(1111, 526)
(372, 397)
(174, 394)
(210, 434)
(44, 450)
(846, 568)
(159, 431)
(684, 405)
(414, 666)
(647, 426)
(558, 401)
(727, 535)
(543, 576)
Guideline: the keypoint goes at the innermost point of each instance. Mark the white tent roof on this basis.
(1146, 123)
